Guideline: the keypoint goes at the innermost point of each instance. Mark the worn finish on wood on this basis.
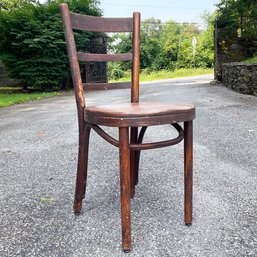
(104, 135)
(88, 57)
(188, 170)
(130, 110)
(133, 164)
(137, 153)
(128, 117)
(138, 114)
(125, 188)
(136, 58)
(81, 169)
(148, 146)
(105, 86)
(99, 24)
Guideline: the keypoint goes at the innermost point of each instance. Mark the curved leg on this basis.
(188, 170)
(82, 168)
(125, 187)
(133, 162)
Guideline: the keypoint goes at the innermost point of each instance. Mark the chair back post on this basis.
(74, 64)
(136, 58)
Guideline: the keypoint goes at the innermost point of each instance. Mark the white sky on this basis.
(177, 10)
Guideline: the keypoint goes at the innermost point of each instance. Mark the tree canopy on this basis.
(168, 46)
(32, 44)
(239, 15)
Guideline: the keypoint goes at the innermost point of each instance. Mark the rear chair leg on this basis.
(125, 188)
(137, 153)
(133, 162)
(188, 170)
(82, 169)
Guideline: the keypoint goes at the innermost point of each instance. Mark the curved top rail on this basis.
(100, 24)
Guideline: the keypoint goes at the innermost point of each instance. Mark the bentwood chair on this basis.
(127, 117)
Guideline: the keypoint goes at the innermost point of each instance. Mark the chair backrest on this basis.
(99, 24)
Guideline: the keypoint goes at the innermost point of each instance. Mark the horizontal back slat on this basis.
(88, 57)
(105, 86)
(100, 24)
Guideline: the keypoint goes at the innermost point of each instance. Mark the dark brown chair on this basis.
(127, 117)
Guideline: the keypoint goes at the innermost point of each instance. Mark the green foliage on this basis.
(238, 16)
(32, 43)
(166, 74)
(7, 5)
(150, 51)
(166, 46)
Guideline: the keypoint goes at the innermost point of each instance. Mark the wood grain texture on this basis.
(139, 109)
(136, 58)
(106, 86)
(124, 116)
(139, 121)
(91, 57)
(139, 114)
(100, 24)
(81, 170)
(125, 188)
(188, 171)
(133, 164)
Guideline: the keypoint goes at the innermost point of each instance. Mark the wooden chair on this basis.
(127, 117)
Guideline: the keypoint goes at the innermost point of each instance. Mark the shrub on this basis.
(32, 43)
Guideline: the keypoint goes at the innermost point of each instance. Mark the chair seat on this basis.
(139, 114)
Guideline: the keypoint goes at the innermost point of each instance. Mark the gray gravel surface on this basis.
(38, 151)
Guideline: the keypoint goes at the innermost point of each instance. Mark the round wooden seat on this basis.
(139, 114)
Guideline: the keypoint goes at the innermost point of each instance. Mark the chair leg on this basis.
(82, 169)
(137, 158)
(137, 153)
(188, 170)
(125, 187)
(133, 162)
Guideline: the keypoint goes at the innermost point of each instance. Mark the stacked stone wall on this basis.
(241, 77)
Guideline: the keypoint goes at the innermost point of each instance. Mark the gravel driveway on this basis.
(38, 151)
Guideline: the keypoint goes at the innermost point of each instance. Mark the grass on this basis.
(14, 95)
(164, 74)
(251, 60)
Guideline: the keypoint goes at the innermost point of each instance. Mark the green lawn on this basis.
(10, 96)
(164, 74)
(251, 60)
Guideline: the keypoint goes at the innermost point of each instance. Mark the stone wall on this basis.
(229, 47)
(241, 77)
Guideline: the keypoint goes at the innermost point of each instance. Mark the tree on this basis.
(32, 45)
(151, 49)
(8, 5)
(238, 15)
(171, 43)
(167, 46)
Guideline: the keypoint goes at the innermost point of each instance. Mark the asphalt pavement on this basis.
(38, 155)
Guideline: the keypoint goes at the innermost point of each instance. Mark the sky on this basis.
(177, 10)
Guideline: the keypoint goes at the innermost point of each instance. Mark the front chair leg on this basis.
(188, 170)
(125, 187)
(81, 168)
